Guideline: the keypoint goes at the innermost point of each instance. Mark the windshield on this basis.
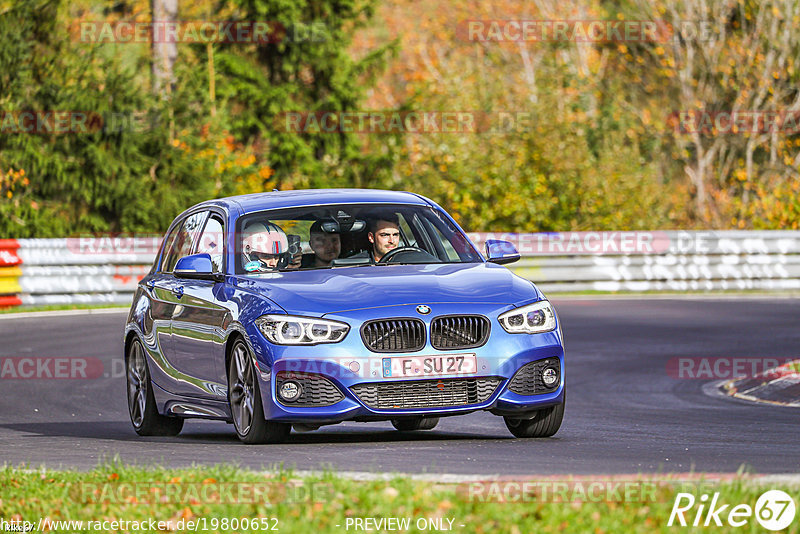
(322, 237)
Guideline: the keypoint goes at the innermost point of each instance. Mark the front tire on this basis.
(544, 423)
(244, 399)
(410, 424)
(141, 402)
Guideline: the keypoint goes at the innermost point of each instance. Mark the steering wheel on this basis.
(395, 251)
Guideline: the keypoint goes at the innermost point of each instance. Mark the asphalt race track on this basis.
(625, 413)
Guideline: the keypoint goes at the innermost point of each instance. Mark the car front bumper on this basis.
(349, 363)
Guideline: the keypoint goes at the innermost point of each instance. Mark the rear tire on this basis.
(410, 424)
(544, 424)
(141, 402)
(244, 399)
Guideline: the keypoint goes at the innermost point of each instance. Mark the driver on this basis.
(265, 247)
(384, 235)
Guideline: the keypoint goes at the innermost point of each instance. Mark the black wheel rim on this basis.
(137, 384)
(241, 392)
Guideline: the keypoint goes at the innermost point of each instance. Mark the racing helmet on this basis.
(264, 247)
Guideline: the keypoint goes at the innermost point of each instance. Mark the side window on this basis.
(211, 242)
(168, 242)
(451, 244)
(184, 238)
(408, 235)
(449, 251)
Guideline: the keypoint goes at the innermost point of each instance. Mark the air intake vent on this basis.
(528, 379)
(394, 335)
(459, 331)
(315, 390)
(430, 393)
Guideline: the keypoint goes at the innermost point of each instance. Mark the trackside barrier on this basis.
(657, 260)
(107, 270)
(72, 271)
(9, 273)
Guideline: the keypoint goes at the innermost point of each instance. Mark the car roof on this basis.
(311, 197)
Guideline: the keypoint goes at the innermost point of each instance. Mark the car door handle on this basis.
(178, 291)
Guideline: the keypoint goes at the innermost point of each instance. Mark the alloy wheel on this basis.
(241, 395)
(137, 385)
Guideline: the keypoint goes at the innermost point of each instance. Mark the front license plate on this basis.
(449, 364)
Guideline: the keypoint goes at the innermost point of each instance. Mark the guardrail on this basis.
(657, 261)
(107, 270)
(67, 271)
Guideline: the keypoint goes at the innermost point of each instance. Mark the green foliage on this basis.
(324, 502)
(114, 171)
(600, 148)
(306, 69)
(604, 150)
(143, 158)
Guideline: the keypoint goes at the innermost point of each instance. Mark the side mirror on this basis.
(198, 267)
(501, 252)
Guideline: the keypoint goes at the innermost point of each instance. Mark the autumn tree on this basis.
(728, 57)
(306, 67)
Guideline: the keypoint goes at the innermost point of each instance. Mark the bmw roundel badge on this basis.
(424, 310)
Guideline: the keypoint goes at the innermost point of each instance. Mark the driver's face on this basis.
(385, 238)
(269, 260)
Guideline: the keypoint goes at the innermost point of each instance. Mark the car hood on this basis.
(318, 292)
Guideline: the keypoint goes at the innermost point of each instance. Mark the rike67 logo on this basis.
(774, 510)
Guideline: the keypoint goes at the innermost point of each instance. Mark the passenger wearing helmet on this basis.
(265, 247)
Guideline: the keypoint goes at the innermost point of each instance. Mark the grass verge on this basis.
(61, 307)
(286, 502)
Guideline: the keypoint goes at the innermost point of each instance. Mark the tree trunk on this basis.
(698, 176)
(165, 51)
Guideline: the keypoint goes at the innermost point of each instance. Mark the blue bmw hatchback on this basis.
(308, 308)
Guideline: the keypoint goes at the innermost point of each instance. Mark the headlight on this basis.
(531, 319)
(291, 330)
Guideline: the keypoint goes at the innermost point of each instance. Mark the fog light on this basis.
(290, 391)
(549, 376)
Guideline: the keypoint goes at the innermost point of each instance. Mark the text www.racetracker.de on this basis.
(197, 524)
